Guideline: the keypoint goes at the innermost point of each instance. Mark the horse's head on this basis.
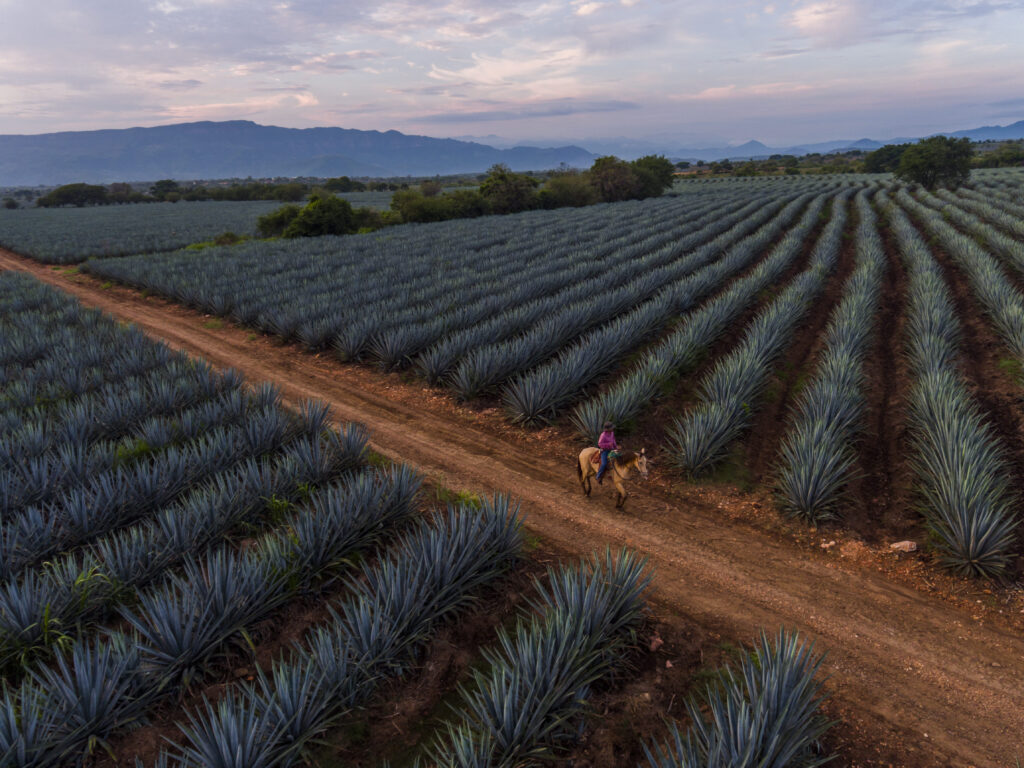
(641, 463)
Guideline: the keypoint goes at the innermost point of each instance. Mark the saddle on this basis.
(596, 458)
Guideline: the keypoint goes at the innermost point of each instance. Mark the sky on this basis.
(689, 74)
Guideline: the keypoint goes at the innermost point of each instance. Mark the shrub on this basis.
(323, 215)
(274, 224)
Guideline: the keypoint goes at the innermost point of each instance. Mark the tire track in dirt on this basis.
(943, 687)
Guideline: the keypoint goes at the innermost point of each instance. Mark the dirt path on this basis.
(929, 682)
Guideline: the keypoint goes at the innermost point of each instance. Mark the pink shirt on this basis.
(607, 441)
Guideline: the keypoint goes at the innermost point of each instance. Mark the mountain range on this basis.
(629, 148)
(241, 148)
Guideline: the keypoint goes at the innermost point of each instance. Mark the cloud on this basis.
(179, 85)
(530, 111)
(732, 92)
(1018, 102)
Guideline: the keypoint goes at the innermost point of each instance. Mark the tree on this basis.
(885, 159)
(10, 203)
(938, 161)
(78, 195)
(508, 192)
(323, 215)
(165, 189)
(614, 179)
(430, 188)
(568, 188)
(654, 175)
(274, 224)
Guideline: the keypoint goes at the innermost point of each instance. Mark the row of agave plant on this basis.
(959, 460)
(562, 279)
(995, 226)
(107, 681)
(391, 608)
(43, 608)
(533, 693)
(817, 453)
(48, 457)
(762, 713)
(92, 505)
(487, 366)
(729, 391)
(626, 398)
(534, 396)
(70, 235)
(998, 297)
(610, 271)
(376, 278)
(74, 472)
(381, 293)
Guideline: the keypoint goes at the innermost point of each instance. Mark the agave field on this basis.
(155, 513)
(731, 313)
(71, 235)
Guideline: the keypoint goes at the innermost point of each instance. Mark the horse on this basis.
(618, 468)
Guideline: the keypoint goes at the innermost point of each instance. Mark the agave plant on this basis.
(764, 713)
(958, 458)
(530, 697)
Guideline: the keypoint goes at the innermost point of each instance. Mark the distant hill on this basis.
(992, 132)
(241, 148)
(754, 150)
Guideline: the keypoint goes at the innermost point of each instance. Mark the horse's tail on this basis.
(579, 469)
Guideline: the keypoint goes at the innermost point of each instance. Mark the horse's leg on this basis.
(621, 491)
(586, 490)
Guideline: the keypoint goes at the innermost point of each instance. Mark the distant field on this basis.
(70, 235)
(733, 324)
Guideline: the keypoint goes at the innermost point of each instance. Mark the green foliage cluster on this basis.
(1003, 155)
(345, 184)
(504, 191)
(78, 195)
(938, 161)
(324, 214)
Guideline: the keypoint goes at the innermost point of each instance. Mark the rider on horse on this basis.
(607, 444)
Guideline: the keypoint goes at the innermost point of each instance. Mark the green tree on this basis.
(323, 215)
(344, 184)
(164, 189)
(78, 195)
(274, 224)
(654, 175)
(568, 188)
(508, 192)
(938, 161)
(885, 159)
(430, 188)
(10, 203)
(614, 179)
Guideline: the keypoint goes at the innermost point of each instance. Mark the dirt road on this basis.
(936, 684)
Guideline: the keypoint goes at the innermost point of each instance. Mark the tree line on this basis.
(501, 191)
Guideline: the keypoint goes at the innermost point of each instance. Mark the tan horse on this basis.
(618, 468)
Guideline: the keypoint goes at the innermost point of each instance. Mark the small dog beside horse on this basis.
(619, 469)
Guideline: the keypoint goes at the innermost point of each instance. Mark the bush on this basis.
(274, 223)
(885, 159)
(938, 161)
(569, 189)
(323, 215)
(78, 195)
(411, 205)
(654, 174)
(508, 192)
